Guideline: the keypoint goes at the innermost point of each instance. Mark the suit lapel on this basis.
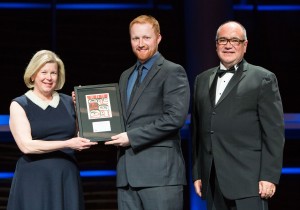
(152, 72)
(237, 77)
(124, 91)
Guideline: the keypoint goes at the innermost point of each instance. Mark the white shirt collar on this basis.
(43, 104)
(224, 68)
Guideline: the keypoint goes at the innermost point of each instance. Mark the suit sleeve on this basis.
(272, 123)
(175, 99)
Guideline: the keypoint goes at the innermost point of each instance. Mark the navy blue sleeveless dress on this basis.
(49, 181)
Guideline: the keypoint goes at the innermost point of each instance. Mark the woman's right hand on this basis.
(78, 143)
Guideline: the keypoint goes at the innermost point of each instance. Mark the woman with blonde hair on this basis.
(43, 124)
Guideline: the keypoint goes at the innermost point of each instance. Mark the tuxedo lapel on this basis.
(237, 77)
(212, 86)
(212, 76)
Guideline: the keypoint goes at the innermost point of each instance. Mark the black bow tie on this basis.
(221, 72)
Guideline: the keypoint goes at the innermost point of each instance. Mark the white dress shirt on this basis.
(223, 82)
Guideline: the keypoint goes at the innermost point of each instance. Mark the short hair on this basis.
(39, 59)
(232, 21)
(142, 19)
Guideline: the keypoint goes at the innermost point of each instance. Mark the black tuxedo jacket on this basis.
(153, 121)
(243, 133)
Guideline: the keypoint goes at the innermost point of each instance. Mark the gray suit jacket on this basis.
(243, 133)
(153, 121)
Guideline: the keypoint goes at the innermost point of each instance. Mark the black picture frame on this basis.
(99, 111)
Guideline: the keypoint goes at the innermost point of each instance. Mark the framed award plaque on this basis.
(99, 111)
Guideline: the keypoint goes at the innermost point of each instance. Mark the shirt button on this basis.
(211, 132)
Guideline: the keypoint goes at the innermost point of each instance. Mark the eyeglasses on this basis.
(233, 41)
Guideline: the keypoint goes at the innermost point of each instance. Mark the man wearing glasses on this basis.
(238, 128)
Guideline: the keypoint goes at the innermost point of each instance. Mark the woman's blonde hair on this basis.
(39, 59)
